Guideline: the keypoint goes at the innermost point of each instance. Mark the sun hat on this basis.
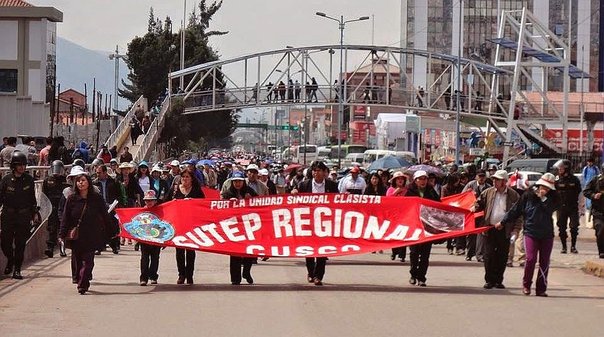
(125, 165)
(547, 180)
(500, 174)
(156, 168)
(397, 174)
(150, 195)
(252, 167)
(419, 174)
(76, 171)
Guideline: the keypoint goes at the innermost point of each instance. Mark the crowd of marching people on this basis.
(84, 199)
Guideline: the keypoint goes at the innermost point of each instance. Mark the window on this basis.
(8, 80)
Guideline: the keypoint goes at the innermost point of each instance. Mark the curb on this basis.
(594, 268)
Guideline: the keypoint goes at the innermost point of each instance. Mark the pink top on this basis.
(390, 192)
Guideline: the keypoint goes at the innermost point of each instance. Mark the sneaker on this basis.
(541, 294)
(412, 281)
(563, 251)
(468, 258)
(460, 252)
(181, 280)
(98, 252)
(153, 281)
(17, 275)
(317, 281)
(450, 251)
(488, 285)
(574, 250)
(499, 286)
(143, 283)
(310, 279)
(526, 291)
(48, 252)
(421, 283)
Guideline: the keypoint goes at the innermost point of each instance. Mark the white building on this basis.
(27, 67)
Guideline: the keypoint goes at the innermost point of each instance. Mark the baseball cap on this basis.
(263, 172)
(237, 175)
(174, 163)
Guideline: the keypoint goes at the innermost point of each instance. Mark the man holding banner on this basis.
(318, 184)
(496, 201)
(419, 254)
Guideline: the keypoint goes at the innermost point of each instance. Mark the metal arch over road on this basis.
(373, 78)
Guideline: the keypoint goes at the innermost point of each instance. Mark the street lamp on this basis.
(116, 56)
(341, 24)
(458, 94)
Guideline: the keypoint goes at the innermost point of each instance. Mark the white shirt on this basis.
(144, 183)
(499, 207)
(318, 187)
(348, 184)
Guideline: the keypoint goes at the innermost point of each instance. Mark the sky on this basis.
(253, 25)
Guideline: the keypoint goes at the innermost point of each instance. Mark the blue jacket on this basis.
(538, 223)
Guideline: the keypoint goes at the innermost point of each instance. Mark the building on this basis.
(27, 67)
(434, 25)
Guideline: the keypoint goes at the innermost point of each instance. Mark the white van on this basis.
(352, 158)
(369, 156)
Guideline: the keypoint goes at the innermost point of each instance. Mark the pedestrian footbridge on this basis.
(391, 79)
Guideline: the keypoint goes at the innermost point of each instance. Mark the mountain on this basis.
(77, 65)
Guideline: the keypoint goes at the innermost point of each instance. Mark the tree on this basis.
(153, 56)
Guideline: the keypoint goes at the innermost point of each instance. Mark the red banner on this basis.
(297, 225)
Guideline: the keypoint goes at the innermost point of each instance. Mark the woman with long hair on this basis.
(398, 188)
(86, 210)
(238, 189)
(375, 186)
(185, 258)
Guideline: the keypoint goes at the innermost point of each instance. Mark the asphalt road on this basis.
(366, 295)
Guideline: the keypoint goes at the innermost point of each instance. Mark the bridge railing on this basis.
(230, 98)
(153, 134)
(123, 129)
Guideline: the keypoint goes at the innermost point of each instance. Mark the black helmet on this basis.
(18, 158)
(57, 168)
(80, 163)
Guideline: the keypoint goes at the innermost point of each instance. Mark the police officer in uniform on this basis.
(53, 187)
(594, 191)
(569, 188)
(18, 198)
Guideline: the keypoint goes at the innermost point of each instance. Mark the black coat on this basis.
(305, 186)
(429, 192)
(96, 226)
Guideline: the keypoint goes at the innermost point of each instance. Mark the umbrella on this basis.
(388, 162)
(292, 167)
(429, 169)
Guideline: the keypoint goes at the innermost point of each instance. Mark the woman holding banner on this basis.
(185, 258)
(318, 184)
(419, 255)
(237, 190)
(536, 207)
(398, 188)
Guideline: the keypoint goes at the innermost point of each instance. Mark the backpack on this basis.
(77, 154)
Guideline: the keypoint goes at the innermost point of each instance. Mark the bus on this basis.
(301, 154)
(346, 150)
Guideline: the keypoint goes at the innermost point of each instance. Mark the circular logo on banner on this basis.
(148, 227)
